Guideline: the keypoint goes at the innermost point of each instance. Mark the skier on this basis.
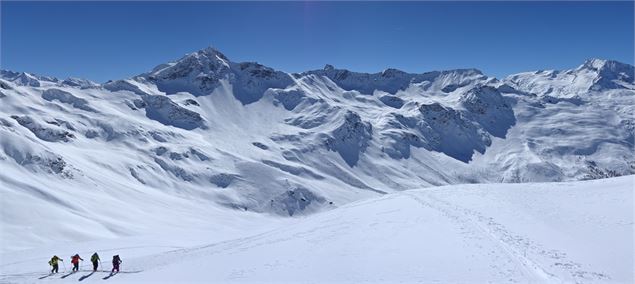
(115, 263)
(95, 260)
(54, 262)
(75, 261)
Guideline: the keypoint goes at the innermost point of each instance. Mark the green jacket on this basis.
(94, 258)
(54, 260)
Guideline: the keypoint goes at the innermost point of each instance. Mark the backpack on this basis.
(94, 258)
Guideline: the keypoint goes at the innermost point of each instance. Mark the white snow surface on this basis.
(213, 151)
(569, 232)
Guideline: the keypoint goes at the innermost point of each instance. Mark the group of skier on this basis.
(75, 259)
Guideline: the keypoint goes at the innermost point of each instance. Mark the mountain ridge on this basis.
(222, 135)
(210, 51)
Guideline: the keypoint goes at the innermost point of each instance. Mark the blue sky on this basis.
(113, 40)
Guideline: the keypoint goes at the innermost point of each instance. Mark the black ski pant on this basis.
(76, 266)
(115, 267)
(55, 268)
(95, 264)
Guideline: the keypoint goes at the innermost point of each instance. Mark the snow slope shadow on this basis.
(457, 132)
(66, 275)
(86, 276)
(167, 112)
(488, 108)
(110, 275)
(46, 276)
(351, 138)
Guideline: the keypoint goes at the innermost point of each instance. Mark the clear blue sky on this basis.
(113, 40)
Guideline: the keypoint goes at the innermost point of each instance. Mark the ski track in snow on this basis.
(518, 248)
(455, 214)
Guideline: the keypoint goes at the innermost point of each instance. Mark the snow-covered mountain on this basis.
(204, 133)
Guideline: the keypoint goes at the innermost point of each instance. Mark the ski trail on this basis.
(526, 262)
(529, 267)
(518, 246)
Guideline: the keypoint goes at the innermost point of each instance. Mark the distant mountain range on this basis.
(246, 136)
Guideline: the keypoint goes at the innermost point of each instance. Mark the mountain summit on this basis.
(201, 72)
(610, 74)
(592, 75)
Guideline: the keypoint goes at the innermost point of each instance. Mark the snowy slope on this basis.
(573, 232)
(196, 138)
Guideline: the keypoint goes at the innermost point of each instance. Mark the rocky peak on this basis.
(610, 74)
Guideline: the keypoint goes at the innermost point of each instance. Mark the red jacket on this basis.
(75, 259)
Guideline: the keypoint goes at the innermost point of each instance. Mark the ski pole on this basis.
(64, 266)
